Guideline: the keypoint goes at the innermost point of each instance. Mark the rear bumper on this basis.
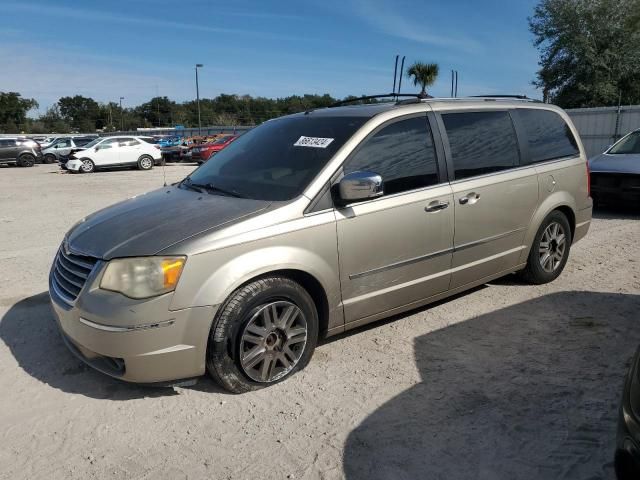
(146, 343)
(583, 222)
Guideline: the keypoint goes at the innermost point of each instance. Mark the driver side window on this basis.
(403, 153)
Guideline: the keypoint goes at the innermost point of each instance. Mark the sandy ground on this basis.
(507, 381)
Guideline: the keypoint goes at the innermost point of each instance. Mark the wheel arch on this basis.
(311, 271)
(561, 201)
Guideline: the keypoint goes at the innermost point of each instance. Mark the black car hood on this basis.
(150, 223)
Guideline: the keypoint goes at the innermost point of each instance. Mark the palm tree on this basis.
(424, 74)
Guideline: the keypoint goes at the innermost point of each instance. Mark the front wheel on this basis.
(550, 250)
(264, 333)
(87, 166)
(145, 162)
(50, 158)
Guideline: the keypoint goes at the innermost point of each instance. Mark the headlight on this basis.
(142, 277)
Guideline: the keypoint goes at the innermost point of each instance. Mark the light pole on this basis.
(121, 115)
(198, 65)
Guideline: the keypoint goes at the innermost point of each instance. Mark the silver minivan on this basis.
(316, 223)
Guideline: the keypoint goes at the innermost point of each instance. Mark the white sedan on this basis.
(111, 152)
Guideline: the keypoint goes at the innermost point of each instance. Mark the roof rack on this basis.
(495, 97)
(371, 97)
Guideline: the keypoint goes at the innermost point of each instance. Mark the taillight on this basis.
(588, 180)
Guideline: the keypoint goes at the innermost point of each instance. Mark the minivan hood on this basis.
(152, 222)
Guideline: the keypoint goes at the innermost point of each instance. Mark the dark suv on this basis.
(23, 152)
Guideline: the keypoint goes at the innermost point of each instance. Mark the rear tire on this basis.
(549, 251)
(26, 160)
(264, 333)
(145, 162)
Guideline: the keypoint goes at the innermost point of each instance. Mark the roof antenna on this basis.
(401, 72)
(395, 74)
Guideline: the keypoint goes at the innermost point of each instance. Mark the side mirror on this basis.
(359, 186)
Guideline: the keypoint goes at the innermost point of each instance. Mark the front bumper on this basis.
(140, 341)
(73, 165)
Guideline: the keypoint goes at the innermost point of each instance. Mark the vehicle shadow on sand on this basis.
(526, 392)
(31, 334)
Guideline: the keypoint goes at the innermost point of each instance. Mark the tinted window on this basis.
(630, 144)
(481, 142)
(7, 143)
(150, 140)
(548, 135)
(111, 141)
(81, 141)
(274, 161)
(402, 153)
(129, 142)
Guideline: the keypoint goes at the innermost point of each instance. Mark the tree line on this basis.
(84, 114)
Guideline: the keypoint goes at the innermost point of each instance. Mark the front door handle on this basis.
(436, 206)
(470, 198)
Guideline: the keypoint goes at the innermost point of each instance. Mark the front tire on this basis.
(264, 333)
(87, 166)
(550, 250)
(145, 162)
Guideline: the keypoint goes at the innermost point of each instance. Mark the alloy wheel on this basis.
(552, 247)
(273, 341)
(146, 163)
(87, 166)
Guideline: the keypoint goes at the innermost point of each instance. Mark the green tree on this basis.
(589, 51)
(424, 74)
(80, 112)
(13, 111)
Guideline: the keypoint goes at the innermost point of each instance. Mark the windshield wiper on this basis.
(210, 188)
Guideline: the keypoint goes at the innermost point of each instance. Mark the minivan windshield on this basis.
(277, 160)
(630, 144)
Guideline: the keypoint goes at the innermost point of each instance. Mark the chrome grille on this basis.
(70, 273)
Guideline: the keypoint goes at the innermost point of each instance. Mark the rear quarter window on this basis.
(548, 135)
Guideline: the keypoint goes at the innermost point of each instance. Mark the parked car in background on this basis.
(627, 457)
(114, 152)
(169, 141)
(202, 153)
(62, 147)
(615, 174)
(20, 151)
(316, 223)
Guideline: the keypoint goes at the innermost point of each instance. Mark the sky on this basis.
(138, 49)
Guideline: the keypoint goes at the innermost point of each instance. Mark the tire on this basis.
(49, 158)
(26, 160)
(246, 351)
(549, 251)
(87, 166)
(145, 162)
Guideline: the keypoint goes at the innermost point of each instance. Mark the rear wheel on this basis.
(264, 333)
(550, 250)
(145, 162)
(26, 160)
(87, 166)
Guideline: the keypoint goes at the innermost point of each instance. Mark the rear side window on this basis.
(402, 153)
(548, 135)
(481, 142)
(7, 143)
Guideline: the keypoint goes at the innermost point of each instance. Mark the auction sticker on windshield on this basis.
(314, 142)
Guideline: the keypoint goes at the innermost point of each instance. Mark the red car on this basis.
(204, 152)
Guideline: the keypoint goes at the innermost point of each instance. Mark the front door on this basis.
(107, 153)
(396, 250)
(494, 199)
